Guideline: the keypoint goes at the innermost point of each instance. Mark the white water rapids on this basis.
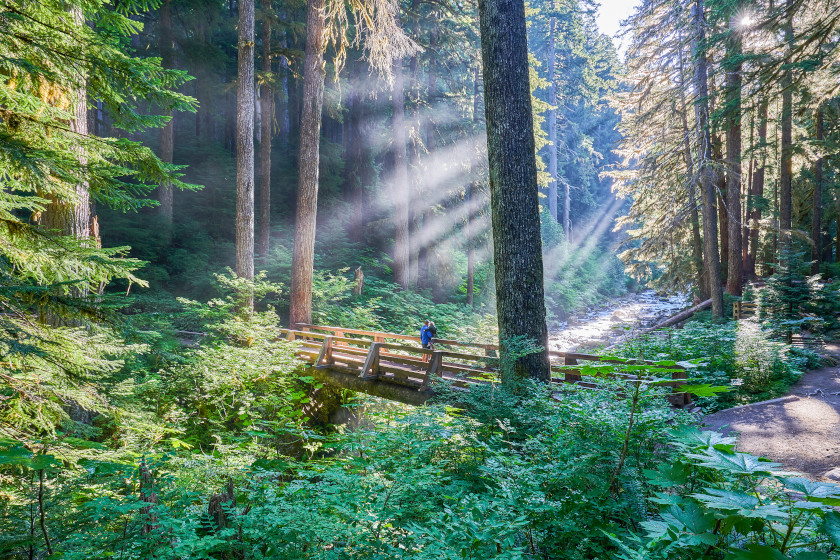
(613, 320)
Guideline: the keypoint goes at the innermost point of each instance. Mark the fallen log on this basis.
(669, 322)
(679, 317)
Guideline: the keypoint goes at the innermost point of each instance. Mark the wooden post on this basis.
(325, 357)
(680, 399)
(291, 334)
(435, 367)
(371, 362)
(571, 375)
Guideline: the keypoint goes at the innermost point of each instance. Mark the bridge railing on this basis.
(489, 350)
(327, 346)
(370, 359)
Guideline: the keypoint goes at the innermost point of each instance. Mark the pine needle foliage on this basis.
(47, 60)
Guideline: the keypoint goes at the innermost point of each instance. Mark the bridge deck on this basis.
(366, 361)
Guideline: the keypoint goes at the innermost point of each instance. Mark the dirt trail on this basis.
(800, 431)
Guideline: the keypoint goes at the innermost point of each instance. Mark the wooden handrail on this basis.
(379, 335)
(334, 340)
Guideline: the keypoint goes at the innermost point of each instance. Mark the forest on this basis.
(227, 226)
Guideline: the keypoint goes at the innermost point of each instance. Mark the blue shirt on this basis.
(425, 335)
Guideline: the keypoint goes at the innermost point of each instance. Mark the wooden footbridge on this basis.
(395, 367)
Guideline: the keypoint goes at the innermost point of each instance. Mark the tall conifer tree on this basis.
(245, 143)
(514, 198)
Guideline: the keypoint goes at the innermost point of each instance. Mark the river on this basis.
(613, 320)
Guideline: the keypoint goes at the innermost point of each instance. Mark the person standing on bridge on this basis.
(426, 338)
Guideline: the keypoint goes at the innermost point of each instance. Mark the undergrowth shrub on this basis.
(714, 502)
(506, 477)
(739, 354)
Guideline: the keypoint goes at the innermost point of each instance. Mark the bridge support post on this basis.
(679, 399)
(434, 369)
(325, 357)
(571, 375)
(371, 362)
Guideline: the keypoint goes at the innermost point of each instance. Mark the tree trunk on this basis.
(303, 257)
(469, 233)
(746, 185)
(514, 195)
(696, 241)
(245, 143)
(786, 164)
(73, 219)
(552, 128)
(267, 106)
(837, 242)
(757, 189)
(415, 177)
(816, 213)
(167, 133)
(734, 278)
(360, 172)
(723, 214)
(711, 255)
(401, 192)
(423, 276)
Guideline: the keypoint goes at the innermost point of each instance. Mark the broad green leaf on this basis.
(83, 443)
(740, 503)
(756, 552)
(834, 502)
(692, 437)
(44, 462)
(15, 456)
(668, 475)
(830, 527)
(811, 488)
(735, 463)
(666, 499)
(704, 390)
(690, 525)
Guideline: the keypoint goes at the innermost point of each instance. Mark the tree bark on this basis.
(816, 212)
(786, 163)
(694, 215)
(360, 169)
(514, 196)
(415, 176)
(469, 233)
(303, 257)
(401, 192)
(73, 219)
(711, 256)
(267, 118)
(735, 257)
(552, 128)
(837, 242)
(245, 143)
(757, 189)
(723, 214)
(167, 133)
(423, 276)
